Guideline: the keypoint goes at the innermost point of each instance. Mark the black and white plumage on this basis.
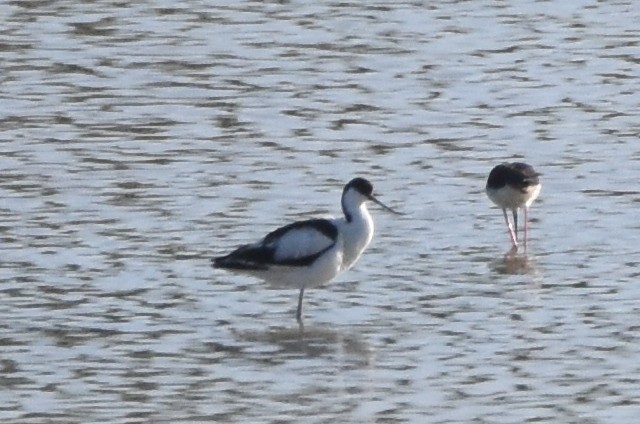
(514, 186)
(309, 253)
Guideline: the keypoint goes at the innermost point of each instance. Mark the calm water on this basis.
(139, 139)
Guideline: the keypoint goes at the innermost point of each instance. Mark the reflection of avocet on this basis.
(513, 186)
(307, 254)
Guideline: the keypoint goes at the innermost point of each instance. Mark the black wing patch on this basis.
(517, 175)
(260, 256)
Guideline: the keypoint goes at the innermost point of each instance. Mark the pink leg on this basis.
(512, 233)
(526, 226)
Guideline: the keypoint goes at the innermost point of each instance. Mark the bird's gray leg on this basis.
(299, 311)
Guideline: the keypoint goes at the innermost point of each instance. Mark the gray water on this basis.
(139, 139)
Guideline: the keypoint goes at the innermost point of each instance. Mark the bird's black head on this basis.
(363, 188)
(515, 174)
(361, 185)
(527, 171)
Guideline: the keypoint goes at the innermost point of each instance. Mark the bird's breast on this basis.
(356, 236)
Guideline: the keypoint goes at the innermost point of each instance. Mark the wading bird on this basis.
(513, 186)
(307, 254)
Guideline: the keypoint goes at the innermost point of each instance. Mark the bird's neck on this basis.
(357, 234)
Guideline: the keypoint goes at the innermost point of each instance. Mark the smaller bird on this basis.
(310, 253)
(513, 186)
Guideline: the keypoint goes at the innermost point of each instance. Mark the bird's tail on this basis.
(244, 258)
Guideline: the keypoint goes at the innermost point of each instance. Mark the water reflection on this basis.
(513, 263)
(311, 341)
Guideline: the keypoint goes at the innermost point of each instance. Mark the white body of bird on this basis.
(310, 253)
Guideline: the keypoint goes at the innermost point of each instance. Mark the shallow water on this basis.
(139, 139)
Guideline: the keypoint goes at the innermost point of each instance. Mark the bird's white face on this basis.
(533, 192)
(353, 199)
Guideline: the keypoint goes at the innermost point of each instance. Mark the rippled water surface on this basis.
(139, 139)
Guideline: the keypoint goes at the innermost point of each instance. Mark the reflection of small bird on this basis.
(307, 254)
(512, 186)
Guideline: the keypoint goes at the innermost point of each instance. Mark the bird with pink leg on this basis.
(513, 186)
